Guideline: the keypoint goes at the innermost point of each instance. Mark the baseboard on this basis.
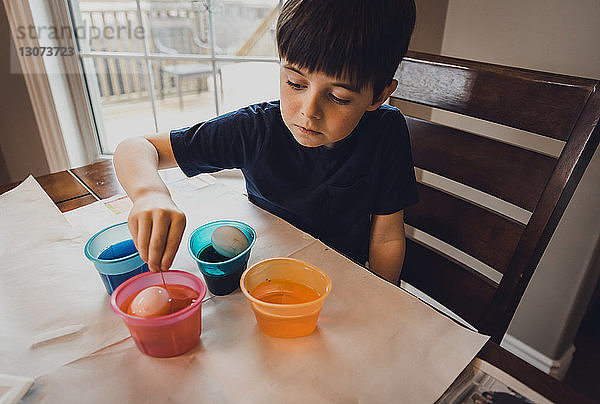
(556, 368)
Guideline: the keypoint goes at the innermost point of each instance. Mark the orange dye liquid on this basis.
(284, 291)
(180, 297)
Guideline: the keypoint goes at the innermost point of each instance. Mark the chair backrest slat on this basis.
(495, 93)
(555, 106)
(441, 277)
(466, 226)
(482, 163)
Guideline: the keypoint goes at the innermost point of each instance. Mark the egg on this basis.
(229, 241)
(150, 302)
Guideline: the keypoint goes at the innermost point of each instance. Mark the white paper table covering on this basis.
(374, 343)
(47, 284)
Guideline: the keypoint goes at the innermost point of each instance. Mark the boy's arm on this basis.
(387, 246)
(155, 222)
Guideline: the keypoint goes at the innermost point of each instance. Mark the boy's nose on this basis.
(311, 108)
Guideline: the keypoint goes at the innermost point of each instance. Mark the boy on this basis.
(327, 157)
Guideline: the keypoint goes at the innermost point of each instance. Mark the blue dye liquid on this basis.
(119, 250)
(115, 251)
(112, 281)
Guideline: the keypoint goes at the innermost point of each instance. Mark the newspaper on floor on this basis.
(483, 383)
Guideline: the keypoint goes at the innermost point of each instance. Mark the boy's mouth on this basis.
(307, 131)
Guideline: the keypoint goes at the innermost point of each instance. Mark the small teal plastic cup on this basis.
(221, 277)
(114, 255)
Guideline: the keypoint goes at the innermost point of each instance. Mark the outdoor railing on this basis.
(124, 77)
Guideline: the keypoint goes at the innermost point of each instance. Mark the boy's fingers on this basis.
(158, 239)
(144, 230)
(175, 234)
(132, 223)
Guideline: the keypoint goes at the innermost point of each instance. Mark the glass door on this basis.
(151, 66)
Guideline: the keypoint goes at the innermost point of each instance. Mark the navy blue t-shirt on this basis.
(329, 192)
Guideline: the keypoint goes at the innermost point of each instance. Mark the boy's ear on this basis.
(384, 95)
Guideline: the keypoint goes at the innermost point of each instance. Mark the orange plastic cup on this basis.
(285, 320)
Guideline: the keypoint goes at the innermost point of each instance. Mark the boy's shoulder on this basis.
(386, 111)
(270, 108)
(265, 106)
(386, 118)
(251, 117)
(262, 114)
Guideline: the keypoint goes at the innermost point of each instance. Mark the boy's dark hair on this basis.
(362, 41)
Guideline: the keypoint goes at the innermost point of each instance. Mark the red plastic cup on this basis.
(168, 335)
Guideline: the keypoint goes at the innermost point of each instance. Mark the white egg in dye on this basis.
(150, 302)
(229, 241)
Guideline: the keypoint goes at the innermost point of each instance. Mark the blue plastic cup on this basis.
(114, 255)
(221, 277)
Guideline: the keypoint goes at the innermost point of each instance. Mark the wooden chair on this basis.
(555, 106)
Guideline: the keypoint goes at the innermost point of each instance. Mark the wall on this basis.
(561, 37)
(428, 36)
(20, 145)
(429, 26)
(4, 178)
(553, 35)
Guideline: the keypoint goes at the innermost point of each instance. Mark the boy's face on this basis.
(319, 109)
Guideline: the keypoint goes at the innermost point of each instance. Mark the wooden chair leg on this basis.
(221, 81)
(203, 82)
(162, 89)
(178, 83)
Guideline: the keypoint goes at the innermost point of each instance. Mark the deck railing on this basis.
(123, 77)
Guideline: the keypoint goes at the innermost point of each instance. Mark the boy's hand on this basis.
(157, 226)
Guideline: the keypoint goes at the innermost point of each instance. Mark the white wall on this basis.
(554, 35)
(562, 37)
(427, 37)
(429, 26)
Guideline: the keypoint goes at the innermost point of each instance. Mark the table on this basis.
(81, 186)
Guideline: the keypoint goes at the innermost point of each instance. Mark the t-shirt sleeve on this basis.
(232, 140)
(397, 186)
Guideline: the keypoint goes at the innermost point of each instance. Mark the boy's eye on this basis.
(294, 85)
(339, 100)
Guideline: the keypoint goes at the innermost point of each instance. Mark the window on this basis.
(152, 66)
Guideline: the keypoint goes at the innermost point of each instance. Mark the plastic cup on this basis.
(286, 320)
(222, 277)
(114, 255)
(168, 335)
